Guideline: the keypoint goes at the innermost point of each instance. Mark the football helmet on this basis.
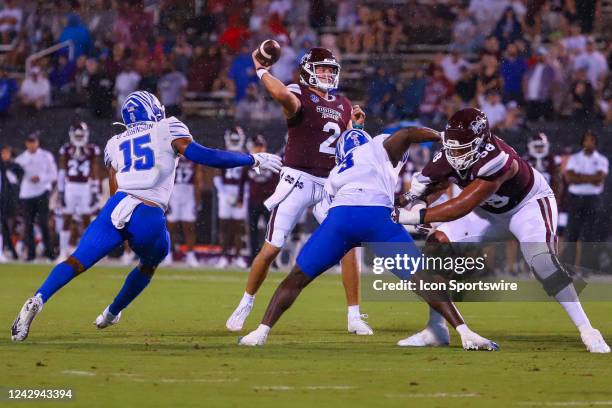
(142, 106)
(234, 139)
(79, 134)
(538, 146)
(348, 141)
(319, 57)
(466, 132)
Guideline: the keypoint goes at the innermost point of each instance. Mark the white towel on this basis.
(122, 213)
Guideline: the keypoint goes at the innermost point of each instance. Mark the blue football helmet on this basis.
(349, 140)
(142, 106)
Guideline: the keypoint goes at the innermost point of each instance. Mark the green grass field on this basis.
(171, 349)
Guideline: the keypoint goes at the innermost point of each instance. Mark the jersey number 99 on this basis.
(136, 154)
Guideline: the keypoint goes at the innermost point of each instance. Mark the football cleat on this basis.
(358, 326)
(21, 325)
(191, 260)
(594, 341)
(431, 336)
(222, 263)
(257, 337)
(106, 319)
(473, 341)
(237, 319)
(240, 263)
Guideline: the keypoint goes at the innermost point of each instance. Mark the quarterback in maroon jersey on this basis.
(315, 119)
(501, 194)
(78, 184)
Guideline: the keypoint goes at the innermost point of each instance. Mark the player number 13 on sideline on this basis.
(38, 394)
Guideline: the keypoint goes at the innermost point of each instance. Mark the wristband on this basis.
(261, 72)
(422, 212)
(357, 125)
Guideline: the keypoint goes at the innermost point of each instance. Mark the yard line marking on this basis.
(304, 387)
(78, 372)
(182, 380)
(434, 395)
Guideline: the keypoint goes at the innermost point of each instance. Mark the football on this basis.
(268, 52)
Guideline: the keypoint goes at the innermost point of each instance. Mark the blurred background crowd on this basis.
(529, 64)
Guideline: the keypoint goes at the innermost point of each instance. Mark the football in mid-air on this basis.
(268, 52)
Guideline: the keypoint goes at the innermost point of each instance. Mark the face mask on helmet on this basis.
(461, 156)
(466, 132)
(350, 140)
(322, 73)
(79, 134)
(539, 146)
(234, 139)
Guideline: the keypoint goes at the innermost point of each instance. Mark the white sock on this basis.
(353, 311)
(462, 329)
(435, 318)
(263, 328)
(246, 298)
(64, 238)
(568, 298)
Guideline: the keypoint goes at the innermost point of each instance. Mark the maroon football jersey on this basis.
(79, 162)
(314, 130)
(231, 177)
(496, 158)
(547, 166)
(185, 171)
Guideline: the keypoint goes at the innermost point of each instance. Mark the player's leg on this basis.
(474, 227)
(99, 239)
(43, 223)
(535, 225)
(150, 240)
(190, 238)
(351, 280)
(324, 249)
(64, 235)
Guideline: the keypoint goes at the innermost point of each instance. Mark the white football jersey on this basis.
(144, 159)
(365, 177)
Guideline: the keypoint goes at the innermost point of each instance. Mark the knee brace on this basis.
(550, 272)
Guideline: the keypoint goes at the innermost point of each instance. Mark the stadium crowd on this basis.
(520, 61)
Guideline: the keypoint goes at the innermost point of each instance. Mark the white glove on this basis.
(412, 216)
(267, 161)
(418, 185)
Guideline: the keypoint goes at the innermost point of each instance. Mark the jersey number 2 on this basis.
(334, 129)
(137, 153)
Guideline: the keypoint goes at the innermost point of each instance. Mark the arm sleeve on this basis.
(220, 159)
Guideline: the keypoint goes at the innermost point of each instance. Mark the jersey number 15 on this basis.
(137, 154)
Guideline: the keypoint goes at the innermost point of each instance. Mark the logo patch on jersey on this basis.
(314, 98)
(329, 113)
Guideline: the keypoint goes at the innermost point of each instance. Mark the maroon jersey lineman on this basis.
(314, 129)
(185, 172)
(79, 161)
(496, 158)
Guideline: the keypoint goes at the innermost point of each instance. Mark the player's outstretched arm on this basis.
(398, 143)
(277, 90)
(223, 159)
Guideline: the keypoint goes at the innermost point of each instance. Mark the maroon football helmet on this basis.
(319, 57)
(467, 130)
(538, 146)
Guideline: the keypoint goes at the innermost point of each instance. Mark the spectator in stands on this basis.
(204, 68)
(538, 87)
(35, 90)
(466, 85)
(8, 88)
(346, 16)
(301, 32)
(61, 76)
(126, 82)
(412, 93)
(10, 176)
(513, 68)
(582, 96)
(489, 78)
(508, 28)
(575, 41)
(182, 53)
(595, 62)
(452, 64)
(100, 87)
(355, 37)
(283, 68)
(255, 106)
(242, 71)
(465, 35)
(76, 32)
(436, 89)
(381, 90)
(491, 104)
(392, 31)
(171, 87)
(11, 17)
(148, 78)
(40, 172)
(224, 87)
